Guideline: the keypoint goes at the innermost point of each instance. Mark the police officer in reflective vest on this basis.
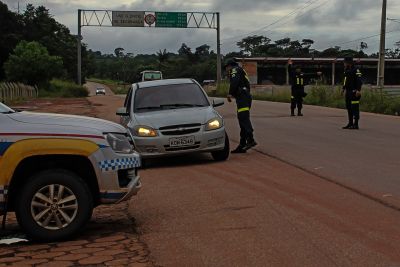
(240, 90)
(352, 88)
(298, 80)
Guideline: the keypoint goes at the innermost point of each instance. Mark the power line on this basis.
(306, 5)
(302, 15)
(365, 38)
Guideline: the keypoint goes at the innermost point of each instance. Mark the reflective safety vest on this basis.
(299, 80)
(243, 109)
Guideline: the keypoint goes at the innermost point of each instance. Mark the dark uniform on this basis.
(351, 85)
(298, 80)
(240, 90)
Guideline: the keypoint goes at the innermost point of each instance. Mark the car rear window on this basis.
(169, 97)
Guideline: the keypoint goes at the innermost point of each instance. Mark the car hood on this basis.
(62, 120)
(157, 119)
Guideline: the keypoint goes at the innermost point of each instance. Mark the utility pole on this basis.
(79, 45)
(219, 59)
(382, 49)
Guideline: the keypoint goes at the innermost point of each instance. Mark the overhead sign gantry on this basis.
(110, 18)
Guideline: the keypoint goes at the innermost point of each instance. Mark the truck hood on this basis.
(80, 122)
(165, 118)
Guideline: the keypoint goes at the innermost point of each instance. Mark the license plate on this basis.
(182, 141)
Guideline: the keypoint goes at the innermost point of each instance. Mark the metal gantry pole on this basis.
(79, 44)
(219, 59)
(382, 49)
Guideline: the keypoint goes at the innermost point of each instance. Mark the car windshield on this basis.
(4, 109)
(169, 97)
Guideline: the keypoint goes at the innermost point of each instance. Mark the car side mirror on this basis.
(218, 102)
(122, 112)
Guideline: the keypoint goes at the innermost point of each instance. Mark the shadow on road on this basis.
(178, 161)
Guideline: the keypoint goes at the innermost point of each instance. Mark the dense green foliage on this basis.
(60, 88)
(37, 24)
(121, 66)
(31, 64)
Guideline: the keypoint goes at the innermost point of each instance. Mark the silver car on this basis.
(171, 117)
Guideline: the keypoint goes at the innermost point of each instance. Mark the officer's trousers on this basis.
(246, 128)
(243, 103)
(296, 102)
(353, 110)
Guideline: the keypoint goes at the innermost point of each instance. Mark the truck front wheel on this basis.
(54, 205)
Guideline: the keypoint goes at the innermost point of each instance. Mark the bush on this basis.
(223, 89)
(59, 88)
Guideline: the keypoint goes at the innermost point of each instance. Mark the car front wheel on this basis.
(54, 205)
(222, 155)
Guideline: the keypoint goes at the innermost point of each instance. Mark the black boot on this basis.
(250, 144)
(355, 126)
(292, 112)
(239, 149)
(348, 126)
(299, 112)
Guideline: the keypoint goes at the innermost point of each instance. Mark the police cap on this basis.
(230, 62)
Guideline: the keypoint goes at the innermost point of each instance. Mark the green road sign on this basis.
(171, 19)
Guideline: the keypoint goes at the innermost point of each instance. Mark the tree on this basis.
(119, 52)
(40, 26)
(331, 52)
(363, 46)
(283, 43)
(10, 34)
(307, 43)
(203, 50)
(185, 50)
(250, 44)
(31, 64)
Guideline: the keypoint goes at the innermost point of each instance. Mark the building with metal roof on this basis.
(273, 70)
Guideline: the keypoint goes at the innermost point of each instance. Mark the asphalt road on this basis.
(367, 160)
(309, 195)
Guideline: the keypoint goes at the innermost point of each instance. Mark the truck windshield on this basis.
(173, 96)
(4, 109)
(151, 76)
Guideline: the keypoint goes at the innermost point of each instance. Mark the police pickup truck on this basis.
(54, 169)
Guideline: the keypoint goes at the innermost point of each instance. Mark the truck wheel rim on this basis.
(54, 207)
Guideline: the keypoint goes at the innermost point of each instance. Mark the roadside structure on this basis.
(273, 70)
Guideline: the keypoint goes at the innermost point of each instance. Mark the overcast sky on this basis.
(328, 22)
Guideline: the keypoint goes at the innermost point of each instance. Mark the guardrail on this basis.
(14, 91)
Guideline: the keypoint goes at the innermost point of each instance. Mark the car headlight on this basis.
(119, 143)
(214, 124)
(145, 131)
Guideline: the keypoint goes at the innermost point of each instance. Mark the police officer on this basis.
(352, 89)
(240, 90)
(298, 82)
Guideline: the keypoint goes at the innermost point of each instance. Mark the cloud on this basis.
(328, 22)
